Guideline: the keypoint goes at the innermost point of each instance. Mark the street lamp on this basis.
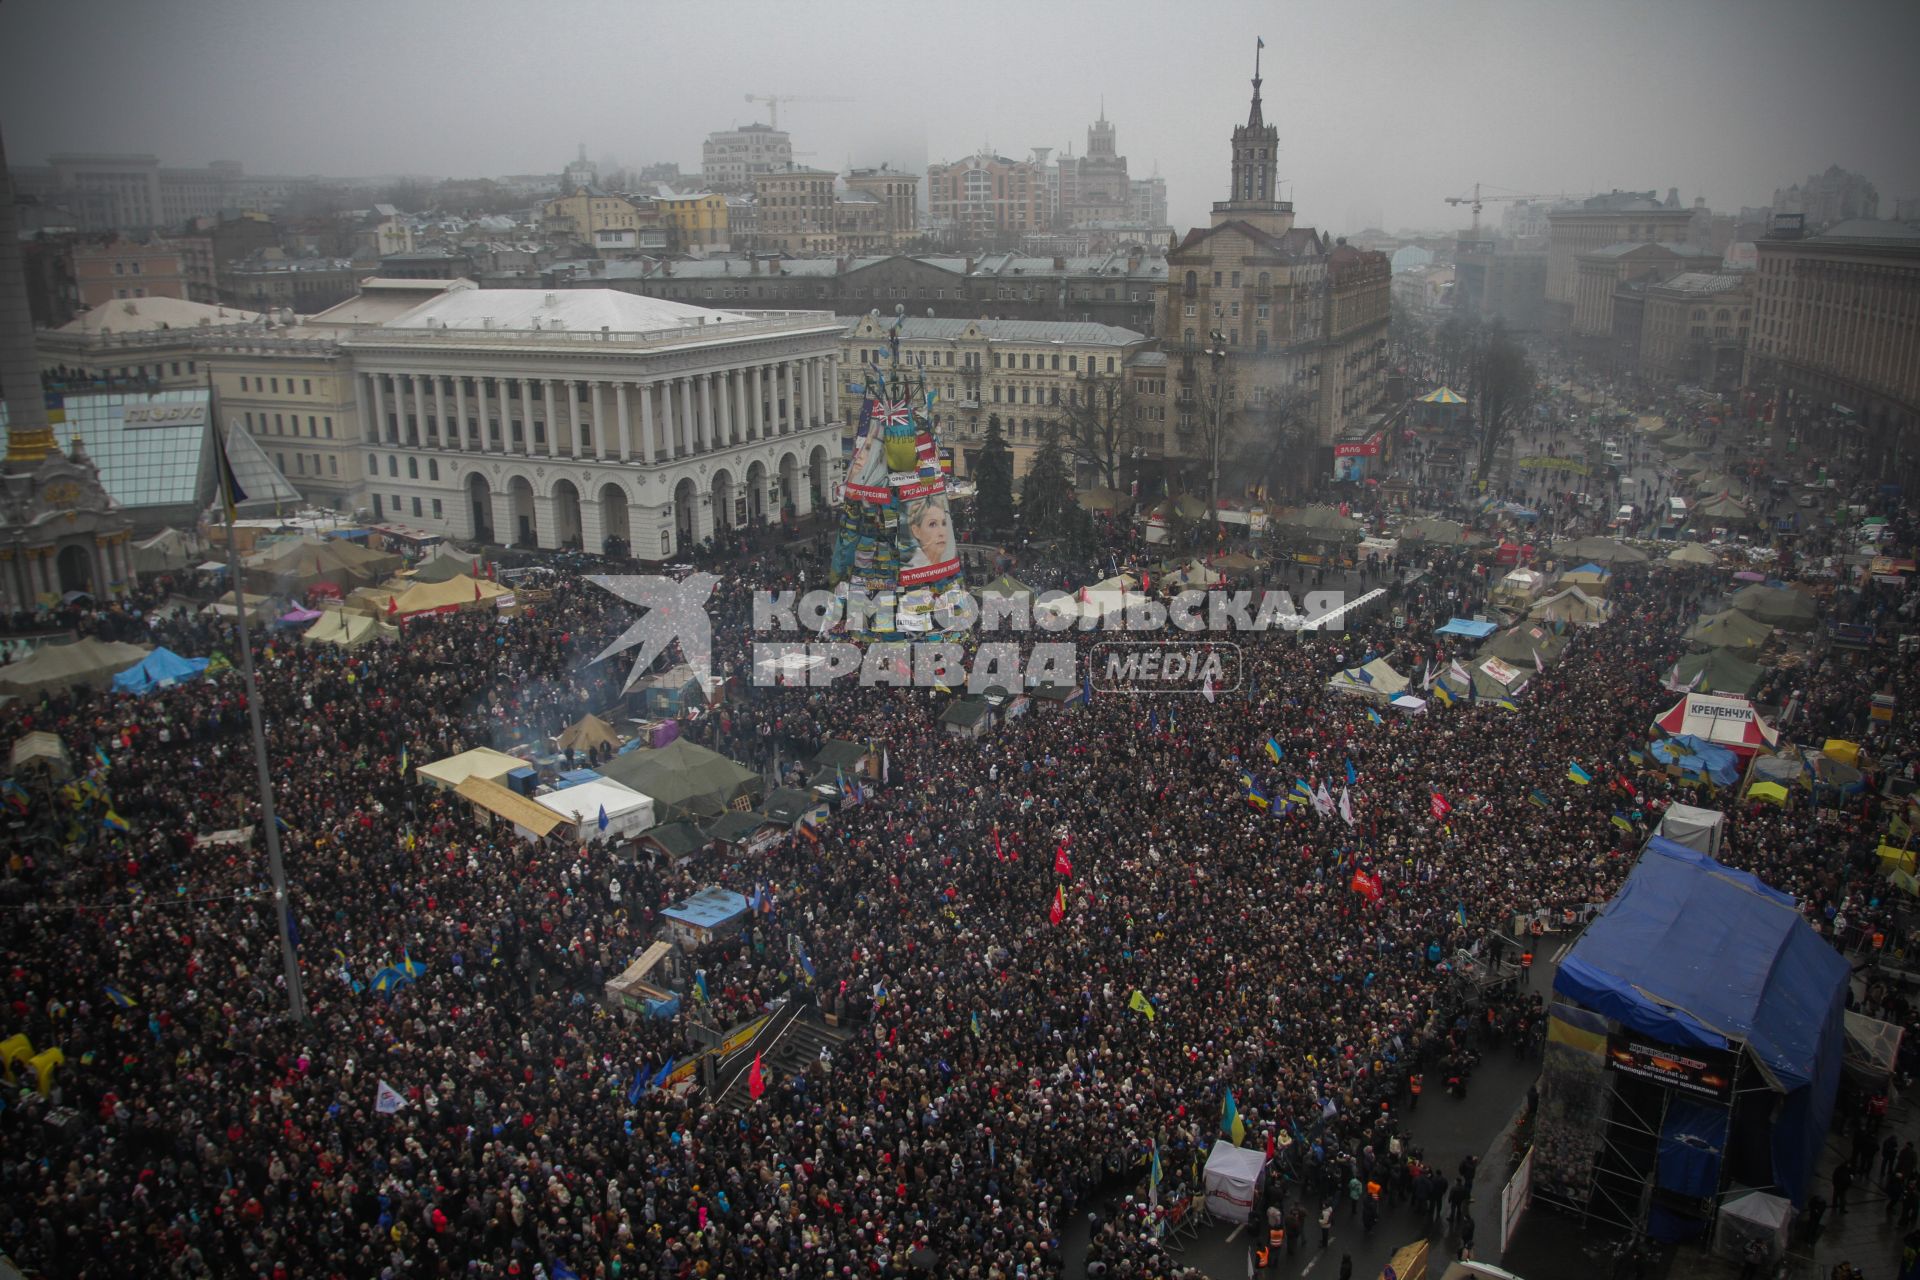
(1216, 351)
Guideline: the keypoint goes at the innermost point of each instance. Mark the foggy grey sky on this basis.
(1384, 106)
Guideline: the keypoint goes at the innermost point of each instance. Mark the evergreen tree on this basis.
(993, 475)
(1046, 496)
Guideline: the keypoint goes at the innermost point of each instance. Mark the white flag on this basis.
(1323, 801)
(886, 767)
(388, 1099)
(1206, 689)
(1426, 681)
(1346, 806)
(1460, 674)
(1536, 660)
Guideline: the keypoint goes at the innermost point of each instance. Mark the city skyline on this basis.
(1519, 98)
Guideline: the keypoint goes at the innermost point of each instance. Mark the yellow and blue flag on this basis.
(1274, 753)
(1139, 1003)
(403, 758)
(1230, 1122)
(115, 823)
(1442, 694)
(118, 996)
(1576, 774)
(1506, 704)
(1153, 1172)
(1374, 716)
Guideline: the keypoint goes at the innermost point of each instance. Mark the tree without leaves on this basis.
(1103, 424)
(1274, 446)
(1502, 382)
(993, 474)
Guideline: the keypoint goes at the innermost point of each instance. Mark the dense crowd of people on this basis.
(982, 924)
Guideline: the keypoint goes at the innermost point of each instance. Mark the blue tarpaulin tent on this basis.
(1696, 955)
(157, 670)
(1469, 628)
(1719, 764)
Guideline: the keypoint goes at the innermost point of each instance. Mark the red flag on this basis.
(476, 592)
(1270, 1145)
(493, 571)
(1058, 912)
(393, 606)
(1062, 865)
(756, 1082)
(1440, 806)
(997, 855)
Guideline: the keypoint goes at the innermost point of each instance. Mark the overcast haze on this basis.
(1384, 106)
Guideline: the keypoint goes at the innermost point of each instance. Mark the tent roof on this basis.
(445, 561)
(588, 732)
(1728, 629)
(789, 804)
(481, 762)
(1468, 628)
(161, 667)
(582, 803)
(1603, 550)
(1516, 646)
(1569, 604)
(1723, 721)
(1777, 606)
(1443, 395)
(735, 824)
(511, 805)
(344, 628)
(682, 777)
(676, 837)
(1374, 679)
(1692, 553)
(838, 753)
(1694, 954)
(56, 666)
(41, 748)
(452, 594)
(1716, 671)
(1433, 529)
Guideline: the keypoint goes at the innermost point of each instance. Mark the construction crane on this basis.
(773, 101)
(1476, 200)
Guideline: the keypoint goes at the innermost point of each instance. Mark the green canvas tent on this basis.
(1777, 607)
(1716, 671)
(1728, 629)
(684, 779)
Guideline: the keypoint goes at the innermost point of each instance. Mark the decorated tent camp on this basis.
(1723, 508)
(1319, 524)
(294, 564)
(586, 733)
(446, 561)
(1570, 605)
(165, 552)
(1729, 629)
(1780, 607)
(1590, 578)
(456, 593)
(1527, 646)
(1715, 671)
(1606, 551)
(684, 780)
(1696, 961)
(1694, 554)
(158, 670)
(345, 630)
(53, 668)
(1725, 721)
(1375, 680)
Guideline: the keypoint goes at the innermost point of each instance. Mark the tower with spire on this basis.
(1256, 152)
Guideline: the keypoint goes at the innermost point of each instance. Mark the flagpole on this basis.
(296, 997)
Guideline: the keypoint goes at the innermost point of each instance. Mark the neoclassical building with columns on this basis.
(570, 418)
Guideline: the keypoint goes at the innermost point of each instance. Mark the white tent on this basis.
(1375, 680)
(1753, 1216)
(1701, 830)
(628, 812)
(1233, 1177)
